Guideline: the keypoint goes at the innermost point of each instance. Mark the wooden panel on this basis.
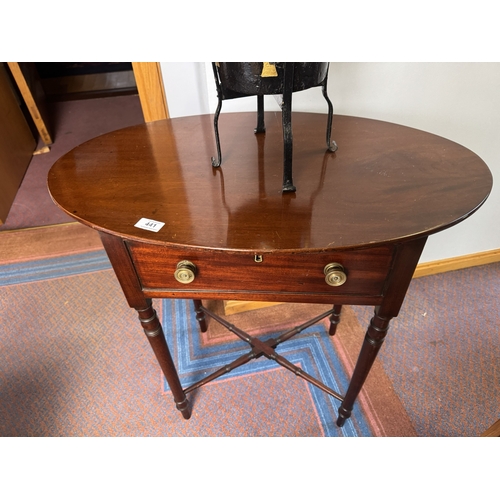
(298, 273)
(493, 431)
(16, 144)
(47, 241)
(151, 90)
(456, 263)
(105, 84)
(239, 306)
(31, 89)
(424, 269)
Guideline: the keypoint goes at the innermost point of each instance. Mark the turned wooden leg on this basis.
(334, 319)
(374, 339)
(154, 333)
(200, 315)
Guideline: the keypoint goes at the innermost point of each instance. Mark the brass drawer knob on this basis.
(335, 274)
(185, 272)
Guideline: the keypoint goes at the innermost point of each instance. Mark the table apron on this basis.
(298, 298)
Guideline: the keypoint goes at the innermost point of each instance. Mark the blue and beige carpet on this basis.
(74, 362)
(443, 352)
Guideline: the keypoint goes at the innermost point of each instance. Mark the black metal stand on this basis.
(286, 85)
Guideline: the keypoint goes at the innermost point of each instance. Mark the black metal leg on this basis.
(261, 127)
(286, 112)
(331, 145)
(217, 163)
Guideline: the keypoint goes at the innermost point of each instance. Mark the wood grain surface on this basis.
(386, 183)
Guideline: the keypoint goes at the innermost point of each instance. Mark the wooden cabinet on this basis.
(16, 144)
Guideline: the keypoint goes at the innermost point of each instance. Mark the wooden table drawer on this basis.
(276, 272)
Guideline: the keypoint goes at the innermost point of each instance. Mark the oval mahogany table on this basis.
(352, 233)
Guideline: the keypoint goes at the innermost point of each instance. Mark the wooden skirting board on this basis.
(424, 269)
(493, 431)
(456, 263)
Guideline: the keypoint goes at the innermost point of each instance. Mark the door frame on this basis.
(149, 82)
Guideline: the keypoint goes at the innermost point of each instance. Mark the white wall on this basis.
(186, 88)
(459, 101)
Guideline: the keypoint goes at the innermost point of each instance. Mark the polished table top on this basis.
(386, 183)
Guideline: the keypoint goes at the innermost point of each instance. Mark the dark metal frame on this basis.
(286, 109)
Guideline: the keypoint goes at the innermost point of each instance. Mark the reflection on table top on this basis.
(385, 183)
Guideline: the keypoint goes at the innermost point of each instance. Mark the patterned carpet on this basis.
(443, 352)
(74, 362)
(261, 386)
